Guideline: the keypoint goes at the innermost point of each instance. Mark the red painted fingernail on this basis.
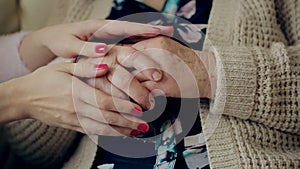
(101, 66)
(100, 48)
(135, 133)
(143, 127)
(137, 111)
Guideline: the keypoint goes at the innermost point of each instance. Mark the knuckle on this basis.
(131, 125)
(58, 116)
(105, 104)
(107, 130)
(142, 99)
(123, 132)
(67, 119)
(126, 123)
(134, 54)
(68, 107)
(111, 119)
(119, 94)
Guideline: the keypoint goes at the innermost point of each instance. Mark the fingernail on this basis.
(143, 127)
(137, 111)
(151, 101)
(101, 66)
(156, 76)
(167, 30)
(100, 48)
(135, 133)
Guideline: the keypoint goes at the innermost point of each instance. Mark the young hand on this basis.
(70, 40)
(56, 96)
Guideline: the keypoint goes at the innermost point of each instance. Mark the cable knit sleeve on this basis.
(11, 65)
(259, 67)
(41, 145)
(260, 84)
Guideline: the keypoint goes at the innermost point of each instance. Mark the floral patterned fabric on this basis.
(189, 19)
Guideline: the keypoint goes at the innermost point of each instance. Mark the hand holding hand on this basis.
(119, 82)
(186, 73)
(70, 40)
(54, 95)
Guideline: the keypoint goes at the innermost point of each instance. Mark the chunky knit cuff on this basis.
(236, 81)
(259, 84)
(39, 144)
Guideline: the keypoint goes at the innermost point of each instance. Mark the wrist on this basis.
(11, 108)
(33, 51)
(209, 62)
(204, 66)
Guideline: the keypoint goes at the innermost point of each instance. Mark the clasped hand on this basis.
(130, 76)
(105, 92)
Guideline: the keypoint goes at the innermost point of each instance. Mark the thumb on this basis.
(83, 69)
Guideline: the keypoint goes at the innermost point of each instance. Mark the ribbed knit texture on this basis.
(38, 144)
(260, 84)
(256, 43)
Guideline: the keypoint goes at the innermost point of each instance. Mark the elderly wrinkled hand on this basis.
(187, 73)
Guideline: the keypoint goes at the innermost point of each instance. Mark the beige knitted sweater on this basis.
(257, 45)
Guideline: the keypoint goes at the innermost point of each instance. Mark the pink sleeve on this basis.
(11, 65)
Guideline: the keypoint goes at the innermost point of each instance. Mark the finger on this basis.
(104, 101)
(82, 69)
(139, 76)
(126, 132)
(129, 57)
(109, 117)
(122, 28)
(167, 30)
(125, 81)
(91, 126)
(104, 85)
(88, 49)
(153, 86)
(112, 28)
